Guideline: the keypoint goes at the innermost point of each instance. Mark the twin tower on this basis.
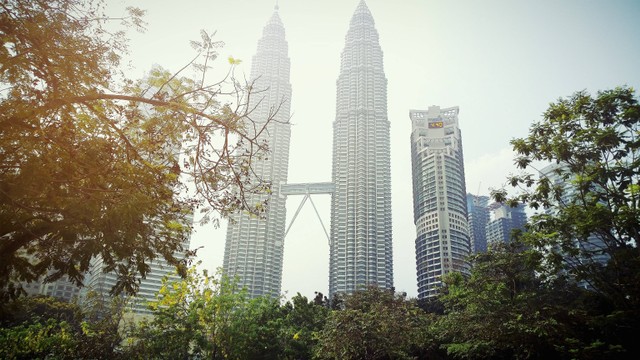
(360, 236)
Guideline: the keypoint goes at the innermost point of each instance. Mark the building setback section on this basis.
(254, 246)
(439, 200)
(361, 244)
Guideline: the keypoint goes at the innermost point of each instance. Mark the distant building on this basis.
(504, 220)
(62, 289)
(361, 236)
(32, 288)
(478, 217)
(439, 201)
(254, 246)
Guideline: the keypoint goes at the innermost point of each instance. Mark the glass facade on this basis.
(478, 217)
(505, 220)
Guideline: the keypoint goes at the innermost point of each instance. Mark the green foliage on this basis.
(50, 339)
(205, 316)
(190, 319)
(38, 309)
(590, 229)
(506, 310)
(43, 327)
(596, 143)
(303, 323)
(92, 162)
(234, 61)
(257, 330)
(209, 316)
(503, 310)
(374, 324)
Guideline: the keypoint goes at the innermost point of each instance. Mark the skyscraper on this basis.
(504, 220)
(478, 217)
(361, 247)
(254, 246)
(439, 200)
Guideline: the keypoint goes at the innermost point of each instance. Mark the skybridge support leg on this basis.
(304, 199)
(319, 218)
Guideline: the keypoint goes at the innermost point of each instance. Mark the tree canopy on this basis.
(589, 227)
(374, 323)
(205, 316)
(591, 197)
(94, 164)
(504, 310)
(43, 327)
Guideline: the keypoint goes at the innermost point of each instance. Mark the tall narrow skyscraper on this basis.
(439, 200)
(254, 246)
(361, 247)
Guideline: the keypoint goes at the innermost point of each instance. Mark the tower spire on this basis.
(276, 8)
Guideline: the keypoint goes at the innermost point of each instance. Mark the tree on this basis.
(95, 165)
(262, 328)
(595, 142)
(504, 310)
(374, 324)
(192, 318)
(304, 321)
(43, 327)
(257, 330)
(209, 317)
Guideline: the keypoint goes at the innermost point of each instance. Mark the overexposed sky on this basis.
(501, 61)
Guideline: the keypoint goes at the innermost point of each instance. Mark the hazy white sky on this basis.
(501, 62)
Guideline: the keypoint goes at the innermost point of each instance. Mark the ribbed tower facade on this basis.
(439, 197)
(361, 246)
(254, 246)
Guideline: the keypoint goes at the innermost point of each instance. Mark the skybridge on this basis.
(307, 189)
